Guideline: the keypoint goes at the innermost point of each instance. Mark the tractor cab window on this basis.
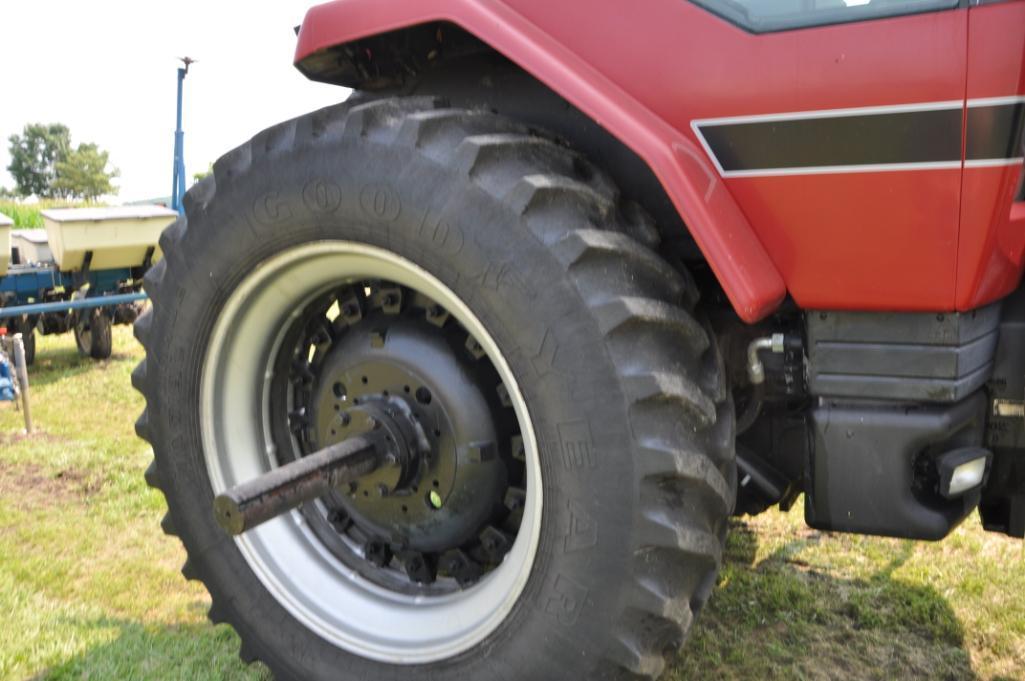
(761, 16)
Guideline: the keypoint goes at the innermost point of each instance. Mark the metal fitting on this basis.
(755, 368)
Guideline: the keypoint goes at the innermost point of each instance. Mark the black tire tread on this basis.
(680, 418)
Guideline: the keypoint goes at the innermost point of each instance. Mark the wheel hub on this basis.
(407, 444)
(407, 375)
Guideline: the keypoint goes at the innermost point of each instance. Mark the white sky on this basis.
(107, 70)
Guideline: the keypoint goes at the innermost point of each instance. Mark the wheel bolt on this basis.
(480, 452)
(340, 520)
(515, 498)
(437, 315)
(434, 499)
(416, 566)
(391, 301)
(474, 347)
(519, 452)
(460, 566)
(378, 553)
(495, 543)
(351, 312)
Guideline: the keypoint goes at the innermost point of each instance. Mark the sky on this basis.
(107, 70)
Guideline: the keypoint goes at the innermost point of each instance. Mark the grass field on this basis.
(90, 589)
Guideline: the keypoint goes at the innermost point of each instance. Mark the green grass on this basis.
(794, 603)
(29, 215)
(90, 588)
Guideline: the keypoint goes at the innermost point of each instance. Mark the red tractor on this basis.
(481, 361)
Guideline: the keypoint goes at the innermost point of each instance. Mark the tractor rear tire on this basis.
(622, 383)
(93, 334)
(27, 329)
(29, 339)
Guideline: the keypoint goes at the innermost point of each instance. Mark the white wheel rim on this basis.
(321, 592)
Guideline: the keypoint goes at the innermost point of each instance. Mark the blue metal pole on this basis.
(178, 179)
(65, 305)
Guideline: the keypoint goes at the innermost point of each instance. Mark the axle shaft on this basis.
(245, 506)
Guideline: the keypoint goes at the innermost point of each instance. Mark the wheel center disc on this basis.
(441, 497)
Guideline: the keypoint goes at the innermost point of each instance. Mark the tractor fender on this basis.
(718, 226)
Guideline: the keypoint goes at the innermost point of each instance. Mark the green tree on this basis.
(203, 174)
(34, 155)
(83, 173)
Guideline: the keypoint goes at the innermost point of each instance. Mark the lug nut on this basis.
(417, 567)
(519, 452)
(437, 315)
(460, 567)
(495, 543)
(474, 347)
(391, 301)
(479, 452)
(340, 520)
(515, 498)
(377, 552)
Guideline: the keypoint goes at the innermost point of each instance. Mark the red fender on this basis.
(733, 250)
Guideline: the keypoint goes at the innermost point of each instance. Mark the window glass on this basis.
(779, 15)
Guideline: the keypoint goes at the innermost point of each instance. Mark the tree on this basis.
(34, 155)
(83, 174)
(203, 174)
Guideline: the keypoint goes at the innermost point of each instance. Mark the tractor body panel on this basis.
(826, 162)
(726, 238)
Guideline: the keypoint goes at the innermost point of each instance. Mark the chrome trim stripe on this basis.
(818, 142)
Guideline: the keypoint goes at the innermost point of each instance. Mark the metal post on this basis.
(76, 304)
(22, 371)
(178, 178)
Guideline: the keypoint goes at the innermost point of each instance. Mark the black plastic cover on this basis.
(866, 464)
(925, 357)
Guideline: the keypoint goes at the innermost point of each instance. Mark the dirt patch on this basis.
(14, 438)
(29, 486)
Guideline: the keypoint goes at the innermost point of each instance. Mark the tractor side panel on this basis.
(992, 247)
(883, 239)
(836, 249)
(872, 239)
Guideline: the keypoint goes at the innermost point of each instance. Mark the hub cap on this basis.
(425, 557)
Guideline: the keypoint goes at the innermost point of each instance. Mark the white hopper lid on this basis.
(5, 221)
(109, 213)
(36, 236)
